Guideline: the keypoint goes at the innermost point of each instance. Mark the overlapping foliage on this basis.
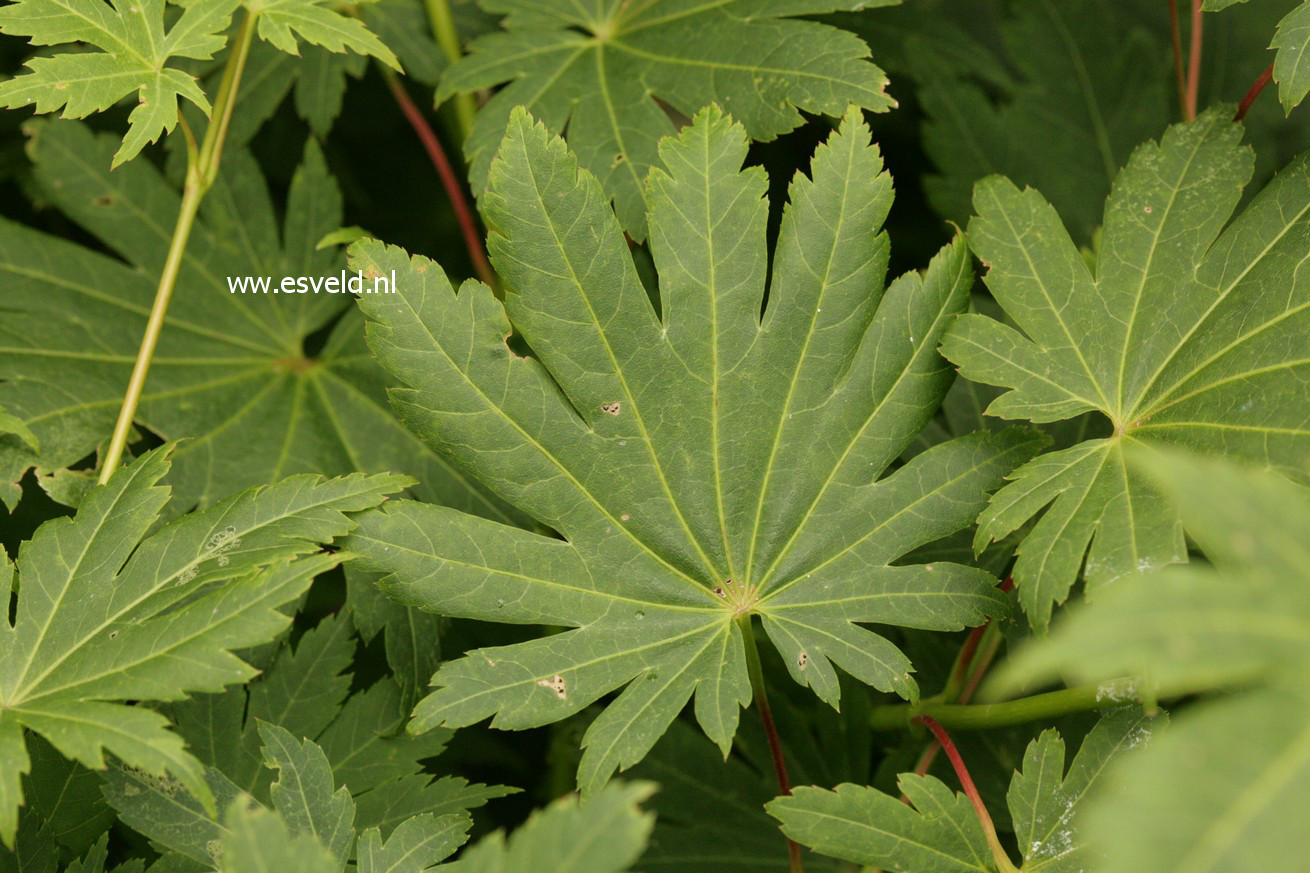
(682, 414)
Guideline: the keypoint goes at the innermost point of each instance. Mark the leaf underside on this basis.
(1187, 333)
(702, 465)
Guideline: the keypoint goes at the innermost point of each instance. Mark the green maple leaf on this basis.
(259, 840)
(1292, 60)
(606, 833)
(108, 614)
(135, 54)
(1186, 333)
(283, 23)
(596, 68)
(1239, 629)
(133, 58)
(232, 373)
(303, 692)
(939, 832)
(702, 466)
(306, 804)
(1081, 77)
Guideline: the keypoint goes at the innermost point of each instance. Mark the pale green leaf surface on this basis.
(702, 466)
(414, 846)
(1187, 333)
(596, 67)
(305, 793)
(108, 613)
(258, 841)
(1223, 789)
(605, 833)
(230, 373)
(285, 22)
(133, 59)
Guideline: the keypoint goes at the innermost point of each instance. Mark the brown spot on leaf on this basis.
(556, 684)
(613, 408)
(802, 661)
(104, 200)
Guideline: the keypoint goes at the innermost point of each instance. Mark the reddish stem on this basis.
(779, 767)
(970, 790)
(1194, 63)
(454, 190)
(1253, 92)
(964, 679)
(1176, 37)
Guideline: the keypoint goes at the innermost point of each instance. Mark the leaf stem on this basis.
(451, 182)
(981, 716)
(1002, 858)
(447, 36)
(202, 170)
(1176, 38)
(1194, 63)
(1253, 92)
(976, 655)
(760, 693)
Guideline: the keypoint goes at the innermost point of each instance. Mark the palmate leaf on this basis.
(703, 466)
(595, 69)
(232, 373)
(284, 22)
(1079, 76)
(134, 58)
(605, 833)
(938, 831)
(135, 53)
(107, 614)
(306, 806)
(303, 694)
(1225, 787)
(1182, 335)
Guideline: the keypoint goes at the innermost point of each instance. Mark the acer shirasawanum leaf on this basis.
(1186, 333)
(703, 465)
(284, 22)
(231, 373)
(303, 692)
(108, 614)
(135, 51)
(1225, 788)
(1081, 77)
(133, 58)
(938, 830)
(595, 69)
(605, 833)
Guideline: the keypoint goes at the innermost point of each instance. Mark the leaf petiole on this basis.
(761, 696)
(982, 716)
(1003, 862)
(443, 29)
(202, 170)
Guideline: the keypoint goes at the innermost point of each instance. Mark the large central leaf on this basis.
(702, 464)
(596, 68)
(1182, 335)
